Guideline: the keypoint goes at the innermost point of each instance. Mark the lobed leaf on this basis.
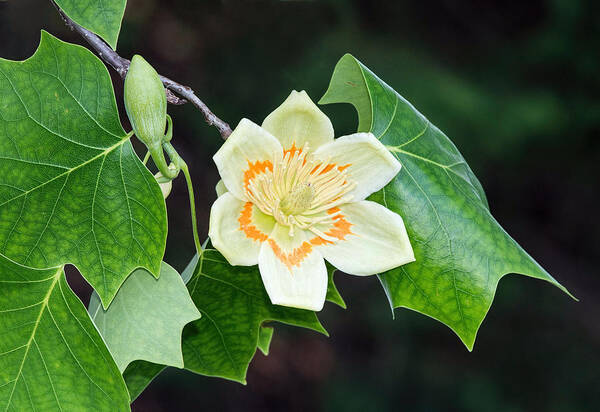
(51, 355)
(146, 318)
(234, 307)
(72, 190)
(461, 251)
(102, 17)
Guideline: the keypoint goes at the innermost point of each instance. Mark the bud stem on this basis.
(188, 179)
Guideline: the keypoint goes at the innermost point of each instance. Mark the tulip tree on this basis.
(395, 200)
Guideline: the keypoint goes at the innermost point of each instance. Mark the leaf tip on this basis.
(566, 291)
(466, 337)
(321, 329)
(327, 98)
(469, 343)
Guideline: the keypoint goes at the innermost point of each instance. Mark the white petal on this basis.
(249, 147)
(165, 188)
(165, 184)
(292, 270)
(366, 160)
(220, 188)
(378, 241)
(237, 229)
(297, 121)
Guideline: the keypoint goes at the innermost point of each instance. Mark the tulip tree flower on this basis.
(292, 196)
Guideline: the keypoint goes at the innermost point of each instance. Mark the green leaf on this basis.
(234, 304)
(265, 335)
(333, 295)
(72, 190)
(138, 375)
(461, 251)
(51, 355)
(102, 17)
(146, 318)
(234, 307)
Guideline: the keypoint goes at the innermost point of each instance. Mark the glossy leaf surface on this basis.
(234, 306)
(72, 190)
(461, 251)
(51, 355)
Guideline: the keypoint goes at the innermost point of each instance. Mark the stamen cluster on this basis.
(298, 191)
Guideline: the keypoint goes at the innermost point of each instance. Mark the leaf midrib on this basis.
(450, 250)
(36, 121)
(45, 302)
(69, 171)
(397, 149)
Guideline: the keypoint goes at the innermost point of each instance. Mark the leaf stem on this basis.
(146, 158)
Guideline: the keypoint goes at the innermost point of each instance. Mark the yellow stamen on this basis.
(298, 190)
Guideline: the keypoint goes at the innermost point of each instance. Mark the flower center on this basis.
(298, 200)
(298, 190)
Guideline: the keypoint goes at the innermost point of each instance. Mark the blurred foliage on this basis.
(527, 68)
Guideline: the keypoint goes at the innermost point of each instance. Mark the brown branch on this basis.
(121, 65)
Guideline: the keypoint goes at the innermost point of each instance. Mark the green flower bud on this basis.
(145, 102)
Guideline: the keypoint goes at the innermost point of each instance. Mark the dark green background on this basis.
(514, 84)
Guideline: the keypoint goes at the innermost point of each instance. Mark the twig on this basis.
(121, 65)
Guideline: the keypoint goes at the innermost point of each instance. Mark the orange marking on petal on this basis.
(292, 150)
(246, 226)
(255, 169)
(340, 229)
(295, 257)
(318, 241)
(331, 166)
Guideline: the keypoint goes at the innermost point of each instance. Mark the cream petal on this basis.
(365, 159)
(220, 188)
(292, 270)
(165, 188)
(165, 184)
(298, 121)
(237, 229)
(378, 241)
(249, 149)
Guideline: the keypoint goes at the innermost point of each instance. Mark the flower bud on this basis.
(145, 102)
